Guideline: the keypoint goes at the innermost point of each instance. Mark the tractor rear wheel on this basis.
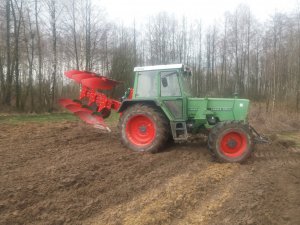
(143, 128)
(230, 141)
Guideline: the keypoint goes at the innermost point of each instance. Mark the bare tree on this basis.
(88, 35)
(52, 6)
(298, 54)
(17, 18)
(9, 79)
(39, 54)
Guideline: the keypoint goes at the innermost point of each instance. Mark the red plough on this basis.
(92, 105)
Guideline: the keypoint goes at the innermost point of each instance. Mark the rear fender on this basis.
(129, 102)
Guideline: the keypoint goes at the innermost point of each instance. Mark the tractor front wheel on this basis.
(230, 141)
(143, 128)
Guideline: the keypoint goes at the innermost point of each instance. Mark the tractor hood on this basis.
(222, 108)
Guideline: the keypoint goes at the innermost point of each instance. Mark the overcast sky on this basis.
(207, 10)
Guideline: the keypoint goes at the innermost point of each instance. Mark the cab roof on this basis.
(158, 67)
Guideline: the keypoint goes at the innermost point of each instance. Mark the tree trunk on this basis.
(2, 82)
(39, 52)
(7, 99)
(54, 52)
(74, 35)
(17, 25)
(88, 36)
(237, 75)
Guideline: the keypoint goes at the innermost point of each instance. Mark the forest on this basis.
(39, 40)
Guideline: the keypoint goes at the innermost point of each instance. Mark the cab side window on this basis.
(169, 84)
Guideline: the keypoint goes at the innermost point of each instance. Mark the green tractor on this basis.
(160, 108)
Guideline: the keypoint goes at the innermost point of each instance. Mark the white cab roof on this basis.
(158, 67)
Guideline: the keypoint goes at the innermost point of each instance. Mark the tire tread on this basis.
(218, 129)
(159, 119)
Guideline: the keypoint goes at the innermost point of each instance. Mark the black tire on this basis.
(230, 141)
(160, 124)
(105, 113)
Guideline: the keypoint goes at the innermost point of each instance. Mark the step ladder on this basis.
(179, 131)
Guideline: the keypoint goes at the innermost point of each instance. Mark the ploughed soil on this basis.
(70, 173)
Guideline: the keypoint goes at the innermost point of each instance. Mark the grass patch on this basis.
(113, 119)
(290, 136)
(49, 117)
(53, 117)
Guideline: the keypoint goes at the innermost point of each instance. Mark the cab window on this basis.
(146, 84)
(169, 84)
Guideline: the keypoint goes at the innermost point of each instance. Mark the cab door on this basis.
(171, 96)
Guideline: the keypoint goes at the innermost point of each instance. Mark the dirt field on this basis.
(69, 173)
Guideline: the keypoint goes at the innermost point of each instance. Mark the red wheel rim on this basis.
(140, 130)
(233, 144)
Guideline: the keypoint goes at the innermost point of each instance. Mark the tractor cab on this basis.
(162, 81)
(166, 86)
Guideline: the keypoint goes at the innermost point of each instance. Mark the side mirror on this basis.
(164, 81)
